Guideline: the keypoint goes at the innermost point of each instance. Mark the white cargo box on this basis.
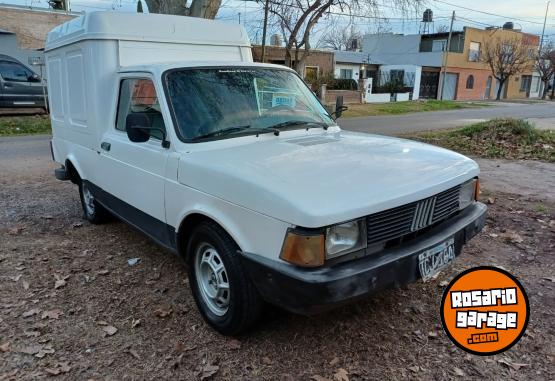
(85, 55)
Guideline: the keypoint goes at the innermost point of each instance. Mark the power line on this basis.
(489, 13)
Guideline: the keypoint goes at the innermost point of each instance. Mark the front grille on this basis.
(397, 222)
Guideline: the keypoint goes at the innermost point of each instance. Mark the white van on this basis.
(166, 123)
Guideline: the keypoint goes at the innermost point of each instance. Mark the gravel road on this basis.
(71, 306)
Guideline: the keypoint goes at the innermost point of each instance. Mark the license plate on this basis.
(431, 261)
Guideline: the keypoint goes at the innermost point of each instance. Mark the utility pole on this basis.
(544, 22)
(264, 30)
(239, 17)
(444, 63)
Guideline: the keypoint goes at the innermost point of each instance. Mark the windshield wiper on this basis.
(232, 130)
(293, 123)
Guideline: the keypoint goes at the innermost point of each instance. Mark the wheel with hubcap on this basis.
(92, 210)
(224, 293)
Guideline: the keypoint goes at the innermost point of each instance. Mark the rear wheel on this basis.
(92, 210)
(224, 294)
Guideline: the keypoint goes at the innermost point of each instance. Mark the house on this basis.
(354, 65)
(467, 76)
(31, 58)
(31, 25)
(318, 63)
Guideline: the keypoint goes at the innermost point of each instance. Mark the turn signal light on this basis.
(304, 250)
(477, 193)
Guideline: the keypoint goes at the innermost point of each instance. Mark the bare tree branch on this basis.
(545, 66)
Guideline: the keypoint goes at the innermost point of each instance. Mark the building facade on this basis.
(318, 63)
(467, 77)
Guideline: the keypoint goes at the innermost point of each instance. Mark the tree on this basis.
(506, 57)
(297, 19)
(206, 9)
(58, 4)
(139, 7)
(340, 38)
(545, 66)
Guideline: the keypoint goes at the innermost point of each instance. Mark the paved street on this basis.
(541, 114)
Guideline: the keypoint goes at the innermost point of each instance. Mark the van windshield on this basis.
(206, 101)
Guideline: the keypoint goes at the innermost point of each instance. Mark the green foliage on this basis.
(396, 108)
(24, 125)
(497, 138)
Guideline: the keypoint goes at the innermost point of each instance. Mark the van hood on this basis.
(323, 178)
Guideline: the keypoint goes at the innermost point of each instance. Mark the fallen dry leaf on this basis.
(334, 361)
(234, 344)
(319, 378)
(53, 314)
(163, 312)
(491, 200)
(47, 349)
(25, 285)
(60, 281)
(134, 353)
(34, 311)
(31, 333)
(458, 372)
(5, 347)
(341, 375)
(432, 334)
(59, 368)
(508, 362)
(110, 330)
(208, 371)
(30, 350)
(15, 278)
(103, 272)
(135, 323)
(15, 230)
(512, 236)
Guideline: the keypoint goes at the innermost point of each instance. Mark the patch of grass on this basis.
(25, 125)
(397, 108)
(497, 138)
(540, 208)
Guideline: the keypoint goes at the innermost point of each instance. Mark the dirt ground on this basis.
(66, 287)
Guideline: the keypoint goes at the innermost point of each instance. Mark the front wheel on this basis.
(222, 290)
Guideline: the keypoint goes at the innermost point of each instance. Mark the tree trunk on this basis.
(500, 89)
(206, 9)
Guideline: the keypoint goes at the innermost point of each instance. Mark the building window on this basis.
(311, 73)
(470, 82)
(525, 83)
(397, 76)
(439, 45)
(474, 52)
(346, 73)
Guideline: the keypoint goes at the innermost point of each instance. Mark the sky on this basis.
(527, 15)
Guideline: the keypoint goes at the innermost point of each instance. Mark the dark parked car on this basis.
(19, 85)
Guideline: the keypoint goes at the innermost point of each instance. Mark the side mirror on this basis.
(339, 108)
(34, 78)
(136, 126)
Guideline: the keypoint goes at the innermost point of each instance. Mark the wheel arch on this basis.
(194, 218)
(73, 170)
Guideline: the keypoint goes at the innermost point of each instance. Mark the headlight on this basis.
(345, 238)
(468, 193)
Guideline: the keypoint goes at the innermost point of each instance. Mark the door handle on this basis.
(105, 146)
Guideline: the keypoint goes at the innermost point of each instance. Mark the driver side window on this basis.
(138, 96)
(14, 72)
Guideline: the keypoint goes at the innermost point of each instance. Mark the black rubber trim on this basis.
(309, 291)
(61, 174)
(157, 230)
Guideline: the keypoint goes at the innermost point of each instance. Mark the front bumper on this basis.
(309, 291)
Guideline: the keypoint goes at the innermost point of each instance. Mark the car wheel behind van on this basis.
(92, 210)
(224, 294)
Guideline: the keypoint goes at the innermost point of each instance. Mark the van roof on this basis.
(106, 25)
(163, 66)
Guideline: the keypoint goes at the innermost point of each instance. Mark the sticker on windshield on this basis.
(283, 100)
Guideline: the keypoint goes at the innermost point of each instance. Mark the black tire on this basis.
(245, 304)
(95, 213)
